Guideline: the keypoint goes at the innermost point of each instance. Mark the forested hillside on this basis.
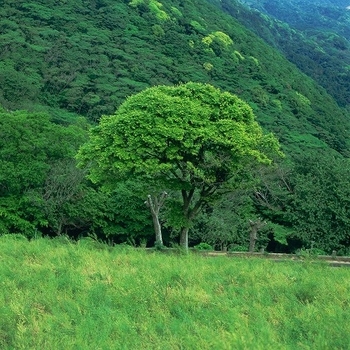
(67, 63)
(86, 57)
(315, 35)
(328, 15)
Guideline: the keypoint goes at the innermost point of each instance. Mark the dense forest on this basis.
(65, 64)
(314, 35)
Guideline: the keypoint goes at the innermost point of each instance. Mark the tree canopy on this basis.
(41, 189)
(84, 57)
(191, 138)
(60, 60)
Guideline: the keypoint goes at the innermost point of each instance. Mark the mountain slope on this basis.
(308, 14)
(87, 56)
(315, 35)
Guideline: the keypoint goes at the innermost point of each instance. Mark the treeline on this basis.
(43, 192)
(302, 205)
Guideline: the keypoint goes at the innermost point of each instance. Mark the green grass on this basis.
(60, 295)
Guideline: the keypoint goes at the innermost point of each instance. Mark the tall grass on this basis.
(56, 294)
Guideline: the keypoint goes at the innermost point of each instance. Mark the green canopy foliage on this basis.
(192, 138)
(193, 127)
(87, 57)
(314, 35)
(41, 190)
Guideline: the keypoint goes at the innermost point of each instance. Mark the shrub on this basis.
(203, 246)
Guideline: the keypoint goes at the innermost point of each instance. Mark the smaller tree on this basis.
(62, 189)
(255, 226)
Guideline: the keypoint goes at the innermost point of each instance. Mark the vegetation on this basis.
(60, 295)
(86, 58)
(314, 35)
(40, 184)
(170, 108)
(192, 139)
(65, 64)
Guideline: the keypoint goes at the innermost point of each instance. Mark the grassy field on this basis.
(56, 294)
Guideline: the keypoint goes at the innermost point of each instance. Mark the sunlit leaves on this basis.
(192, 137)
(156, 130)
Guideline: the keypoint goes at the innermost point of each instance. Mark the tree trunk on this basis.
(253, 238)
(184, 237)
(59, 227)
(255, 226)
(157, 228)
(155, 206)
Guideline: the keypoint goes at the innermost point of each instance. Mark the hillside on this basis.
(329, 15)
(85, 58)
(314, 35)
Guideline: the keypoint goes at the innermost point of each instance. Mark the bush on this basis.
(310, 253)
(203, 246)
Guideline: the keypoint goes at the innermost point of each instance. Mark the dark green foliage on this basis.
(309, 202)
(320, 206)
(131, 217)
(315, 36)
(41, 189)
(29, 144)
(87, 57)
(226, 223)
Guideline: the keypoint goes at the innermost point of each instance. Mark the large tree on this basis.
(192, 138)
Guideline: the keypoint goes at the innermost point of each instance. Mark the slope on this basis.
(87, 56)
(315, 35)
